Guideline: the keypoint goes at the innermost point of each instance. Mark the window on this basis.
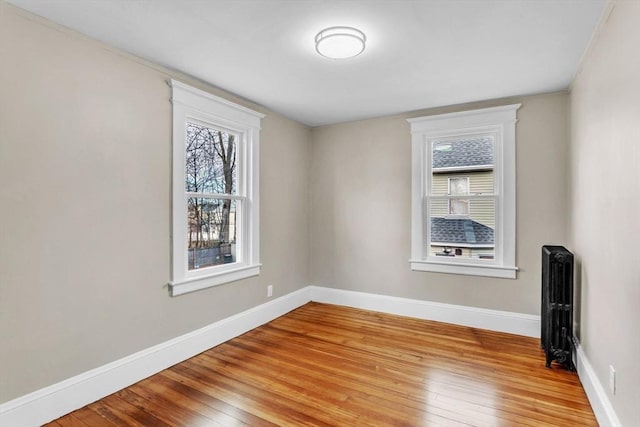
(215, 225)
(458, 187)
(463, 192)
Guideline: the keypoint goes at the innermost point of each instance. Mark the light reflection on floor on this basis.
(474, 399)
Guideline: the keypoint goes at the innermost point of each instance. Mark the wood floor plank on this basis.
(91, 418)
(318, 377)
(70, 421)
(164, 409)
(169, 393)
(123, 413)
(326, 365)
(321, 394)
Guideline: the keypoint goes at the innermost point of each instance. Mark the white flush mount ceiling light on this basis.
(340, 42)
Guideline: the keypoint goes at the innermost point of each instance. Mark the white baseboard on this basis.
(596, 393)
(51, 402)
(493, 320)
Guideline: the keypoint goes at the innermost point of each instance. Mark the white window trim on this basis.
(462, 168)
(501, 122)
(193, 104)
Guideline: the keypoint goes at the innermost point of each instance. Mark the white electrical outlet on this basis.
(612, 379)
(270, 290)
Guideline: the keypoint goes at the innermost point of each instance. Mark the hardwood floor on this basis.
(325, 365)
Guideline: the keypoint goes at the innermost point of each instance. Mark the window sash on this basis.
(239, 196)
(429, 197)
(428, 241)
(239, 142)
(240, 230)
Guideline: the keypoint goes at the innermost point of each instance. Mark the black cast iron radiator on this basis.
(557, 305)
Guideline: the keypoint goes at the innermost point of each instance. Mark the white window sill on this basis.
(503, 272)
(195, 284)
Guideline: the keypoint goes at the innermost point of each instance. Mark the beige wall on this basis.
(604, 211)
(85, 143)
(85, 166)
(360, 209)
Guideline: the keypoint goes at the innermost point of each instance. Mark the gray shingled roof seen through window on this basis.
(476, 151)
(460, 230)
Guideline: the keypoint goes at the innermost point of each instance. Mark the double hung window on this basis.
(215, 232)
(463, 192)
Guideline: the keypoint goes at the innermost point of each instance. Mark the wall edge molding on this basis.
(54, 401)
(494, 320)
(600, 403)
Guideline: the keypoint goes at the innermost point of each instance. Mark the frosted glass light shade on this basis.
(340, 42)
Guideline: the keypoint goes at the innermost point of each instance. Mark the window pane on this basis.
(458, 186)
(211, 232)
(210, 160)
(456, 160)
(473, 151)
(459, 207)
(469, 237)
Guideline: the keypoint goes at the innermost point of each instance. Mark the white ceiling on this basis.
(419, 54)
